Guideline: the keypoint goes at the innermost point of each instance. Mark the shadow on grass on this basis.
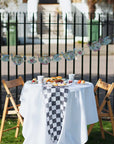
(95, 135)
(95, 138)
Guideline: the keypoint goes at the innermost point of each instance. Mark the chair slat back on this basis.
(103, 85)
(108, 88)
(12, 83)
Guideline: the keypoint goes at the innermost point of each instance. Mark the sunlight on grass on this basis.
(94, 138)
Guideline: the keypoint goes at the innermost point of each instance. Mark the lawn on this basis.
(94, 138)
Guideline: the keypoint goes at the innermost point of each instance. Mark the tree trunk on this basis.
(92, 8)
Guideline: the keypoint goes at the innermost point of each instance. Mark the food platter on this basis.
(57, 81)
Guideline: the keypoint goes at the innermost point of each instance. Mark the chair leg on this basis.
(111, 116)
(90, 129)
(101, 127)
(100, 118)
(16, 109)
(17, 129)
(3, 117)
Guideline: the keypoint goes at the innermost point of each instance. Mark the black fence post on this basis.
(57, 66)
(65, 44)
(40, 41)
(98, 60)
(74, 34)
(49, 43)
(107, 50)
(16, 42)
(33, 45)
(16, 54)
(24, 47)
(0, 65)
(8, 44)
(90, 59)
(82, 64)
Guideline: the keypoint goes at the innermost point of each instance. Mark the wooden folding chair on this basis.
(8, 110)
(102, 112)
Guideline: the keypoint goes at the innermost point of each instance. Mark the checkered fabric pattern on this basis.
(56, 100)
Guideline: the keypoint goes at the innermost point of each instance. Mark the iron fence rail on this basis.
(74, 25)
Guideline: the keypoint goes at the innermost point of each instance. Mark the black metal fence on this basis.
(103, 59)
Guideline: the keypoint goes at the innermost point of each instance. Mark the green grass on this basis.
(9, 136)
(94, 137)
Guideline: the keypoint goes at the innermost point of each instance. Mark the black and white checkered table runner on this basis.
(56, 100)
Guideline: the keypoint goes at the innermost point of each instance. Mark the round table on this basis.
(80, 112)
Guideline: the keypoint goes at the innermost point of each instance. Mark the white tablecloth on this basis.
(80, 112)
